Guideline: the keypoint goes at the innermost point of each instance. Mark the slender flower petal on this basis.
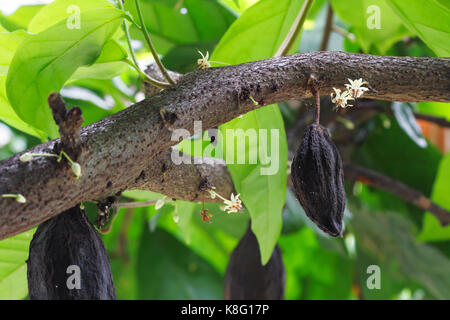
(356, 88)
(340, 99)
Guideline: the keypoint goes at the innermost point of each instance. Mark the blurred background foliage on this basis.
(171, 254)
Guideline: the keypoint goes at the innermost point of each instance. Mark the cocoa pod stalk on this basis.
(318, 179)
(62, 246)
(247, 279)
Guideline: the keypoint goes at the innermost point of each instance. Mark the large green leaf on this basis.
(169, 270)
(257, 34)
(13, 267)
(432, 230)
(9, 41)
(61, 10)
(170, 24)
(108, 65)
(389, 241)
(359, 13)
(430, 20)
(43, 63)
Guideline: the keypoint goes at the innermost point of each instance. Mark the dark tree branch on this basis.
(118, 149)
(398, 188)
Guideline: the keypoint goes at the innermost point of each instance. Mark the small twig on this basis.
(438, 120)
(350, 36)
(69, 123)
(296, 27)
(137, 204)
(372, 178)
(327, 29)
(150, 44)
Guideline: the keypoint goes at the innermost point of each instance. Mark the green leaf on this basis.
(359, 15)
(43, 63)
(407, 121)
(9, 116)
(61, 10)
(432, 230)
(108, 65)
(13, 267)
(9, 41)
(430, 20)
(388, 239)
(20, 18)
(204, 20)
(439, 109)
(257, 34)
(169, 270)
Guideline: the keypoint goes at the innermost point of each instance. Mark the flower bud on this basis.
(26, 157)
(76, 168)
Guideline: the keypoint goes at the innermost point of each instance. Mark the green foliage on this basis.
(430, 20)
(169, 270)
(432, 229)
(388, 240)
(13, 268)
(204, 20)
(171, 253)
(357, 14)
(43, 63)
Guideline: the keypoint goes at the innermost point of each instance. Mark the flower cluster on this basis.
(354, 90)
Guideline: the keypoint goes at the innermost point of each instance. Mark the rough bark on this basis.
(117, 150)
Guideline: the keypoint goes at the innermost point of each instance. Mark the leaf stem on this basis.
(296, 27)
(134, 63)
(156, 83)
(150, 44)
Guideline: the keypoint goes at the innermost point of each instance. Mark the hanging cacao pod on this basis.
(63, 246)
(247, 279)
(318, 179)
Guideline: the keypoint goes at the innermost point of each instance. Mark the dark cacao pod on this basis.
(247, 279)
(318, 179)
(68, 239)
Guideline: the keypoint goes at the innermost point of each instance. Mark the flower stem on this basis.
(296, 27)
(150, 44)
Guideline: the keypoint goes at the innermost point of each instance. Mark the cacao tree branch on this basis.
(408, 194)
(118, 149)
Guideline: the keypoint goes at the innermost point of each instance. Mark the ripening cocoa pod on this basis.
(247, 279)
(68, 260)
(318, 179)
